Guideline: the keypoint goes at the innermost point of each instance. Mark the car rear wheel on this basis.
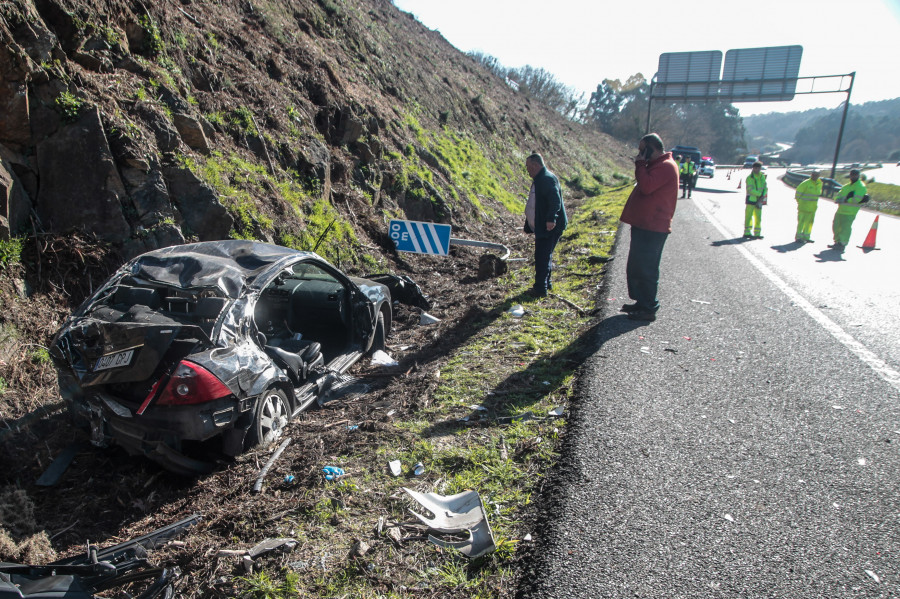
(379, 338)
(272, 416)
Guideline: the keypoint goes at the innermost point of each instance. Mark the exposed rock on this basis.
(191, 132)
(167, 138)
(15, 205)
(198, 204)
(80, 186)
(162, 235)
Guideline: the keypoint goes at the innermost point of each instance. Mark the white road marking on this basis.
(881, 368)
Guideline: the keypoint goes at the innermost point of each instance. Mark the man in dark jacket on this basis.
(545, 216)
(649, 211)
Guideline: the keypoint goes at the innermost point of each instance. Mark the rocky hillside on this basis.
(151, 124)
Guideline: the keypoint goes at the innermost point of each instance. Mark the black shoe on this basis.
(644, 315)
(629, 308)
(748, 236)
(757, 237)
(537, 292)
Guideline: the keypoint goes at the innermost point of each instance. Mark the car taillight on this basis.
(190, 384)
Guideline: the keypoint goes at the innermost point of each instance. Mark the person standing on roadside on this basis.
(545, 216)
(686, 172)
(649, 210)
(757, 194)
(807, 196)
(848, 200)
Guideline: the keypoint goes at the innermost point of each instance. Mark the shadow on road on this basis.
(717, 190)
(733, 241)
(789, 247)
(829, 255)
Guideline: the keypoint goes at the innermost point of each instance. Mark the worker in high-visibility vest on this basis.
(757, 195)
(848, 201)
(686, 175)
(807, 196)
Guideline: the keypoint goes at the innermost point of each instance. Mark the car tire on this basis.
(379, 338)
(272, 415)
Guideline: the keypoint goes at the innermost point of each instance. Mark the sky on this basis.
(583, 42)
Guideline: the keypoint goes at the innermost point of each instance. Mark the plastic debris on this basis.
(861, 461)
(283, 544)
(455, 514)
(557, 411)
(838, 407)
(517, 311)
(419, 469)
(873, 576)
(463, 419)
(701, 302)
(729, 518)
(395, 466)
(289, 478)
(686, 337)
(645, 350)
(545, 382)
(478, 408)
(426, 319)
(332, 472)
(527, 538)
(352, 427)
(381, 358)
(670, 349)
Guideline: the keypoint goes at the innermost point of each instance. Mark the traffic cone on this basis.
(739, 183)
(869, 243)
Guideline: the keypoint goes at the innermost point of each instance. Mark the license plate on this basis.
(123, 358)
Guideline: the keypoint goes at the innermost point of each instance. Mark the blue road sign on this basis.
(420, 238)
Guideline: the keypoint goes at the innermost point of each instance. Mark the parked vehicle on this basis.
(224, 340)
(707, 168)
(748, 162)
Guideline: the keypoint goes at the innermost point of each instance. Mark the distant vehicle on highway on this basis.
(707, 168)
(748, 163)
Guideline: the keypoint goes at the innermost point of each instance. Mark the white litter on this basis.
(478, 408)
(517, 311)
(545, 383)
(381, 358)
(557, 411)
(729, 518)
(700, 302)
(861, 461)
(527, 538)
(873, 575)
(645, 350)
(838, 407)
(395, 467)
(427, 318)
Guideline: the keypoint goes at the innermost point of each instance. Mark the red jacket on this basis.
(651, 204)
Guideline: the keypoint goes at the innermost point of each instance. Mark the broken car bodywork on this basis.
(224, 339)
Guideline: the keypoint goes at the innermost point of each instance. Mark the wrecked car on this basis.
(220, 340)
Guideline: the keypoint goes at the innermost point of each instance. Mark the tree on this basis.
(620, 109)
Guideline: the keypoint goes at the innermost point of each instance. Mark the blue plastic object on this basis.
(332, 472)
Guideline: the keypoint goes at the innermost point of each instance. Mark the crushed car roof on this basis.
(229, 265)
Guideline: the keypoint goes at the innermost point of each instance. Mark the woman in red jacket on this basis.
(649, 211)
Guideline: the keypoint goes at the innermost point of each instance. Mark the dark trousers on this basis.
(543, 250)
(642, 270)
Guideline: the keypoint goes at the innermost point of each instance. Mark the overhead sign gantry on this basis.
(749, 75)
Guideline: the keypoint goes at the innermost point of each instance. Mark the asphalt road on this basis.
(747, 443)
